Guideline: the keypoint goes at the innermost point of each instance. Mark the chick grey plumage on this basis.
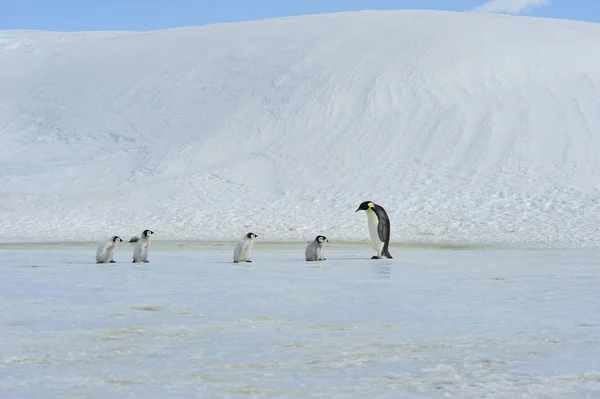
(314, 249)
(105, 251)
(142, 245)
(241, 253)
(379, 228)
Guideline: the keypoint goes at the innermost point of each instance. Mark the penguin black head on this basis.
(365, 206)
(321, 239)
(251, 236)
(147, 233)
(117, 239)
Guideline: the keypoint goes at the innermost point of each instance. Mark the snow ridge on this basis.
(465, 127)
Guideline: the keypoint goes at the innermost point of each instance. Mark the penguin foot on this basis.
(112, 261)
(236, 261)
(248, 261)
(375, 257)
(146, 261)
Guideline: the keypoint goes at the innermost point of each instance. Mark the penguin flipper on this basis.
(383, 230)
(383, 227)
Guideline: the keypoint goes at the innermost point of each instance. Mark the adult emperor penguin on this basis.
(241, 253)
(314, 249)
(379, 227)
(105, 254)
(140, 251)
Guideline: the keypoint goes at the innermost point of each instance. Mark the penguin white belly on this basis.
(373, 223)
(140, 252)
(246, 251)
(319, 253)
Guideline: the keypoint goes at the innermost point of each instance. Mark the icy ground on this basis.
(468, 323)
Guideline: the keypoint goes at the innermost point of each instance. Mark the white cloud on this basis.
(509, 6)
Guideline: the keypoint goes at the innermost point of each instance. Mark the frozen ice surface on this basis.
(467, 323)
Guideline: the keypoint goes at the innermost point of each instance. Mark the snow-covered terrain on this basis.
(465, 127)
(468, 324)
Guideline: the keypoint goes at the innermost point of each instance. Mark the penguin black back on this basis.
(383, 229)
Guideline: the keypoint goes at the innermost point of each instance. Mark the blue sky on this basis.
(142, 15)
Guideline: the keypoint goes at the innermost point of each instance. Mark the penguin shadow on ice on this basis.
(379, 228)
(243, 248)
(314, 251)
(141, 246)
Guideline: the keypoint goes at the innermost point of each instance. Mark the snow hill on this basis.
(465, 127)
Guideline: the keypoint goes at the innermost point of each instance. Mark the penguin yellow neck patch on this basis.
(370, 205)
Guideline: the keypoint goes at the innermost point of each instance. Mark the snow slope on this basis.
(465, 127)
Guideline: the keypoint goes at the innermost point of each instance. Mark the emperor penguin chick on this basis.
(241, 253)
(105, 252)
(142, 245)
(314, 249)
